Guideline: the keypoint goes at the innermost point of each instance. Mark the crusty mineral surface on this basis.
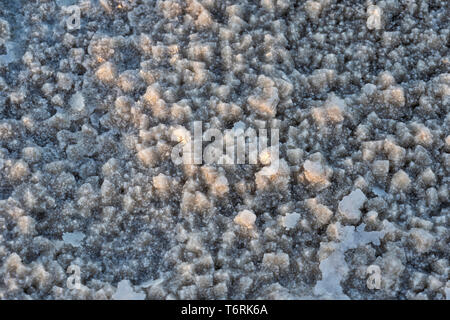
(94, 98)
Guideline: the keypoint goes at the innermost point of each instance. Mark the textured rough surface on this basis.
(90, 115)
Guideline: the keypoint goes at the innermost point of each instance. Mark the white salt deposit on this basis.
(73, 238)
(126, 292)
(334, 268)
(349, 206)
(291, 219)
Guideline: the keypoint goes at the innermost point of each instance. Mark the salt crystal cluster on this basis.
(245, 218)
(95, 124)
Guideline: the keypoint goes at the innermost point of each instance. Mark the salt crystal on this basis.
(291, 219)
(245, 218)
(151, 283)
(379, 192)
(350, 205)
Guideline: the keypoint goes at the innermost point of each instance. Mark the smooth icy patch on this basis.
(73, 238)
(126, 292)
